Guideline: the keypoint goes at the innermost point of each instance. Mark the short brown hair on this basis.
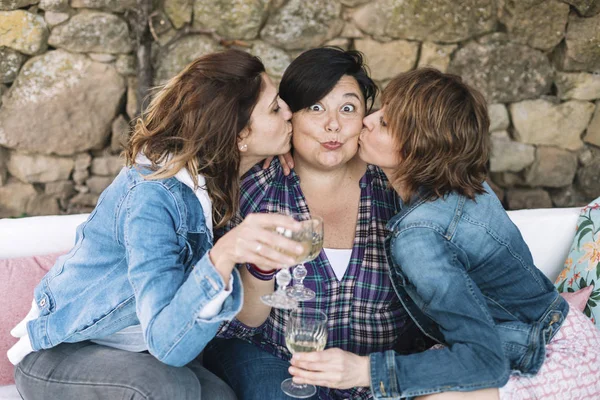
(194, 122)
(441, 127)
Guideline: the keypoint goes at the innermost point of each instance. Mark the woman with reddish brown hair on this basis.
(460, 266)
(143, 290)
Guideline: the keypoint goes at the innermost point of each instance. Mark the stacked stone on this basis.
(65, 67)
(68, 81)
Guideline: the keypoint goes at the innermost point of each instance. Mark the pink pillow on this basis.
(579, 298)
(18, 278)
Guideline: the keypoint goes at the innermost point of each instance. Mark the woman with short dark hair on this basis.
(329, 92)
(127, 311)
(460, 266)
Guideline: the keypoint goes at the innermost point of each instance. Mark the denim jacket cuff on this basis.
(384, 384)
(233, 304)
(211, 283)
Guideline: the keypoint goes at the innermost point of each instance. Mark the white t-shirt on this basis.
(339, 260)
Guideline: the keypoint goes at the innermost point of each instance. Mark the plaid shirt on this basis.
(364, 313)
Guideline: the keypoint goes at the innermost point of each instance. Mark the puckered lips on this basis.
(332, 145)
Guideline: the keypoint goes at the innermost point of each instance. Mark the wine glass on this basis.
(305, 331)
(299, 292)
(279, 299)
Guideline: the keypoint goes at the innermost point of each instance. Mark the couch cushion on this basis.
(582, 265)
(18, 278)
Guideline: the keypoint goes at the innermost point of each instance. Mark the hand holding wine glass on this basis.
(333, 368)
(305, 331)
(303, 236)
(255, 241)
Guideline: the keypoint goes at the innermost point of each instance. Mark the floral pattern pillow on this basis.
(582, 267)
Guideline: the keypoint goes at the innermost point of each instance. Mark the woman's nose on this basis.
(333, 125)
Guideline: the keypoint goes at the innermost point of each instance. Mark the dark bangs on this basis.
(314, 73)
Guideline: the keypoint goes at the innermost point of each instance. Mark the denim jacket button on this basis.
(42, 302)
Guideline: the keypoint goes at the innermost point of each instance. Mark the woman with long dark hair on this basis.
(144, 289)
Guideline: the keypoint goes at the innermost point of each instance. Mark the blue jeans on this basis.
(86, 371)
(252, 373)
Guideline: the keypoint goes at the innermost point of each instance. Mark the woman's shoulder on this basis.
(139, 175)
(422, 214)
(140, 191)
(378, 179)
(258, 176)
(377, 174)
(257, 183)
(382, 192)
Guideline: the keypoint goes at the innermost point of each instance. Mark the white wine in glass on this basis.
(303, 237)
(305, 331)
(303, 342)
(317, 246)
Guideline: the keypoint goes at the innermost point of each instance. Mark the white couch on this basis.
(548, 232)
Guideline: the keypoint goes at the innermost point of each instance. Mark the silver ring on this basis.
(258, 248)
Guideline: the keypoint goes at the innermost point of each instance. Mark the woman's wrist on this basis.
(366, 371)
(223, 266)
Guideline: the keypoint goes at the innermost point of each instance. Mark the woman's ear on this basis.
(243, 138)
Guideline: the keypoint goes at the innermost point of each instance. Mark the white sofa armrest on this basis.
(30, 236)
(549, 234)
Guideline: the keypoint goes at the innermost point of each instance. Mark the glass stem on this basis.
(299, 275)
(283, 278)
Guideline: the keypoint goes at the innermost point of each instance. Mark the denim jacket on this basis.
(467, 278)
(140, 258)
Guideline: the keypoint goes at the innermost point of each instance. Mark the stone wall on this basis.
(68, 80)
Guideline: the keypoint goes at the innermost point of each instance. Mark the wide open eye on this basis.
(316, 107)
(348, 108)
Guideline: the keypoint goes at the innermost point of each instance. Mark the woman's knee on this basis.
(243, 365)
(161, 381)
(73, 371)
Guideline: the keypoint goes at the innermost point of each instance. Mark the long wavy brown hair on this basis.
(194, 121)
(441, 127)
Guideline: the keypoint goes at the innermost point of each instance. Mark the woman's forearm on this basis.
(254, 312)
